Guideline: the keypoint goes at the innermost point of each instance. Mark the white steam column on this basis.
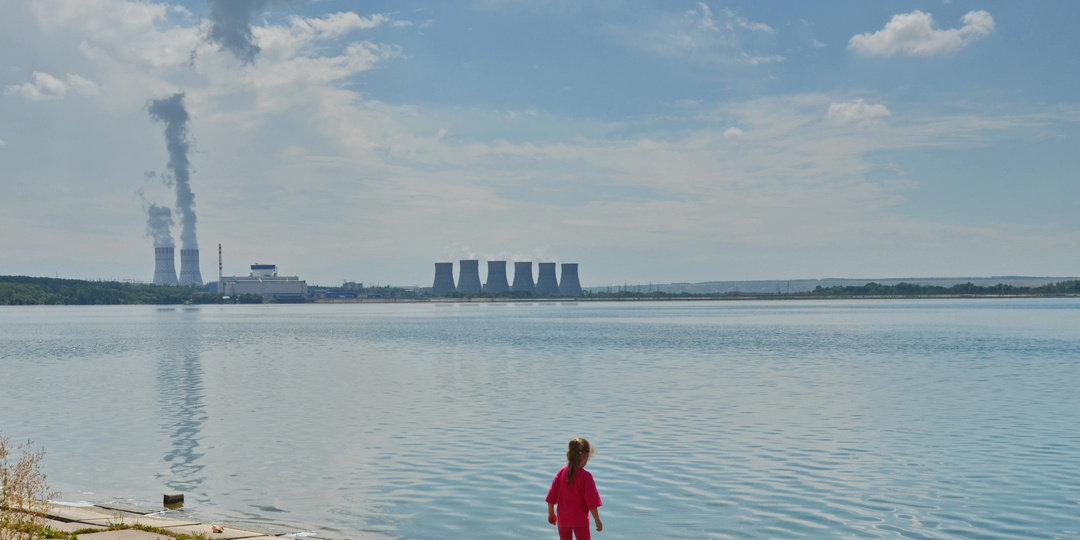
(444, 279)
(165, 266)
(496, 282)
(523, 281)
(568, 283)
(546, 284)
(190, 276)
(469, 276)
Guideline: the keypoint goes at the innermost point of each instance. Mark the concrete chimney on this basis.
(190, 276)
(469, 276)
(165, 266)
(444, 279)
(545, 279)
(496, 278)
(568, 283)
(523, 278)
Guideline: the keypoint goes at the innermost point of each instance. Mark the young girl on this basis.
(574, 492)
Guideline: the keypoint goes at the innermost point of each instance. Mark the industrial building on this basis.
(265, 281)
(497, 282)
(165, 266)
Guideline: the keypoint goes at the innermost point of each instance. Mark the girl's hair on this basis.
(578, 447)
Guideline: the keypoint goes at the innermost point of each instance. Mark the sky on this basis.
(647, 141)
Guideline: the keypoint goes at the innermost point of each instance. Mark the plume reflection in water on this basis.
(181, 400)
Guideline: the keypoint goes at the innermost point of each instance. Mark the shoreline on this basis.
(129, 521)
(570, 300)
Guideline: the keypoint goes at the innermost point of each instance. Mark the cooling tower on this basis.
(523, 278)
(469, 276)
(189, 268)
(545, 279)
(164, 266)
(568, 283)
(496, 282)
(444, 279)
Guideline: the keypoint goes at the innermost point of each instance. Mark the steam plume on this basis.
(158, 221)
(230, 26)
(172, 113)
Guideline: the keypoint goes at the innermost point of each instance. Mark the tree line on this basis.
(1070, 287)
(28, 291)
(960, 289)
(39, 291)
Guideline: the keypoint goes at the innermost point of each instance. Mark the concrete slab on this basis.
(141, 520)
(125, 534)
(77, 513)
(204, 529)
(69, 526)
(265, 530)
(128, 508)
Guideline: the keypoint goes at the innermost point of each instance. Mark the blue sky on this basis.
(647, 141)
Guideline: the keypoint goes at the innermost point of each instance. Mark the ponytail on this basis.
(578, 447)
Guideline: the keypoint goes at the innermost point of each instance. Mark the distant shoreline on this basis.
(22, 290)
(591, 299)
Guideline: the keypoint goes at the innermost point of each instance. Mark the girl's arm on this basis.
(551, 514)
(596, 518)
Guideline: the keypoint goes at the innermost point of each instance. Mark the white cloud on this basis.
(857, 111)
(754, 60)
(818, 44)
(914, 34)
(733, 133)
(44, 87)
(82, 85)
(3, 142)
(698, 34)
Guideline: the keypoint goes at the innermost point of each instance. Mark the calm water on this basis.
(832, 419)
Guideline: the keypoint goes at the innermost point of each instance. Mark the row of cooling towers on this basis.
(165, 267)
(469, 279)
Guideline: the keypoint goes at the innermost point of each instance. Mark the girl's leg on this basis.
(582, 533)
(566, 533)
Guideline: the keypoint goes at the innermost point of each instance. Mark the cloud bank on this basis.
(914, 35)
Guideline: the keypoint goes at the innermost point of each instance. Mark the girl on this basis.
(574, 492)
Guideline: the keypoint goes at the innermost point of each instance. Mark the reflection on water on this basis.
(180, 399)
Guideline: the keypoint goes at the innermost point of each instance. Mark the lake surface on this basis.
(951, 418)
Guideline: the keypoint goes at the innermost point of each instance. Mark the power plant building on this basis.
(165, 266)
(496, 278)
(469, 279)
(469, 276)
(190, 276)
(546, 283)
(568, 283)
(523, 279)
(264, 281)
(444, 279)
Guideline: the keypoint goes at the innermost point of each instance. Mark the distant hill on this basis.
(806, 285)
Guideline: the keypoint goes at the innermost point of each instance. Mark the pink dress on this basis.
(573, 501)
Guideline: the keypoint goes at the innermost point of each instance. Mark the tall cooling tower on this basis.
(444, 279)
(523, 278)
(545, 279)
(164, 266)
(496, 282)
(469, 276)
(568, 283)
(190, 276)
